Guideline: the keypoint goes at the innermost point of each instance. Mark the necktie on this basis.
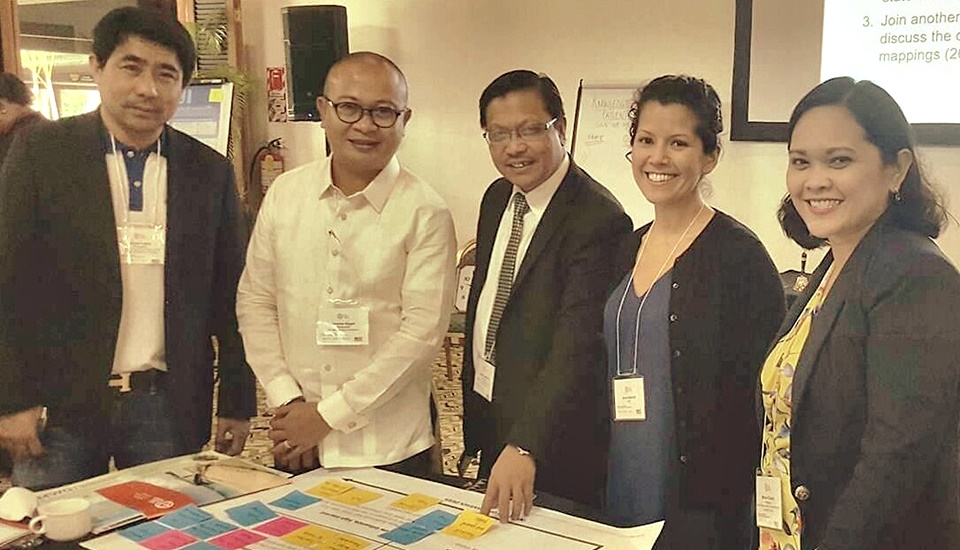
(505, 282)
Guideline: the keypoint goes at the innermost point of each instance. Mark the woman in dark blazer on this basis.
(859, 396)
(687, 328)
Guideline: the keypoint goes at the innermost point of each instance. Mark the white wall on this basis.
(451, 49)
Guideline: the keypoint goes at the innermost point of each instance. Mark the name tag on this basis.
(142, 244)
(769, 503)
(629, 400)
(348, 326)
(483, 375)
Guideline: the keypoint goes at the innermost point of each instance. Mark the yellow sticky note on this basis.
(216, 95)
(355, 497)
(415, 502)
(309, 536)
(330, 488)
(343, 542)
(469, 525)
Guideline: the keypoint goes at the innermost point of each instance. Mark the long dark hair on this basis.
(919, 206)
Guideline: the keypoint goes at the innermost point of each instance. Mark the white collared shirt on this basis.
(141, 336)
(391, 248)
(538, 200)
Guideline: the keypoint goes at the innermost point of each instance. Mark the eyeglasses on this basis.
(349, 112)
(629, 156)
(531, 132)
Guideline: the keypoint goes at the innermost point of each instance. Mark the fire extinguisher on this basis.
(267, 165)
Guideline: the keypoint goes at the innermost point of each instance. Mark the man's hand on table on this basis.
(18, 433)
(511, 480)
(232, 435)
(296, 429)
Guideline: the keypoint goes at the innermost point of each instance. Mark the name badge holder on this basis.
(629, 393)
(139, 243)
(341, 321)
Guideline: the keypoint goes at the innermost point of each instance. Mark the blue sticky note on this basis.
(201, 546)
(251, 513)
(185, 517)
(209, 529)
(143, 531)
(294, 501)
(408, 533)
(436, 520)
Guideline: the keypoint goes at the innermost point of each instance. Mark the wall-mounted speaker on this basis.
(314, 38)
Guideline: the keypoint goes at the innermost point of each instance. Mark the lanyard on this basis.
(643, 300)
(124, 189)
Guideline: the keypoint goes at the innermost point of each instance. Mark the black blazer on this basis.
(60, 291)
(875, 400)
(550, 359)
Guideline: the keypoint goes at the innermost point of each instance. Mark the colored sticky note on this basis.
(408, 533)
(185, 517)
(143, 531)
(236, 539)
(469, 525)
(308, 536)
(210, 529)
(171, 540)
(330, 488)
(216, 95)
(415, 502)
(251, 513)
(201, 546)
(294, 501)
(436, 520)
(340, 541)
(280, 526)
(356, 497)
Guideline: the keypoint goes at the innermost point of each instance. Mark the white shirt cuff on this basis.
(281, 390)
(338, 414)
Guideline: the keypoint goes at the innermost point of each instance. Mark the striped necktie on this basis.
(505, 282)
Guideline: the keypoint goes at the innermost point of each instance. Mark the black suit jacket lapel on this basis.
(489, 224)
(91, 168)
(178, 173)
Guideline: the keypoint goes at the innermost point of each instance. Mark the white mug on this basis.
(63, 520)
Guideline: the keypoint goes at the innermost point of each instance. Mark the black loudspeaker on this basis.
(314, 38)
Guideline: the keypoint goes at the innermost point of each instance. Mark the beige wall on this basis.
(451, 49)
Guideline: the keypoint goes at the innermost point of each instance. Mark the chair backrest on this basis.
(466, 263)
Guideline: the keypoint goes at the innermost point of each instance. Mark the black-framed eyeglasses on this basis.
(530, 132)
(629, 156)
(349, 112)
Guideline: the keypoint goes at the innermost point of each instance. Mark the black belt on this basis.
(148, 380)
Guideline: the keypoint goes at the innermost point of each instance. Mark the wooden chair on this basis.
(466, 262)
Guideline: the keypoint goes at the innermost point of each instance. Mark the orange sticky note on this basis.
(330, 488)
(355, 497)
(469, 525)
(309, 536)
(415, 502)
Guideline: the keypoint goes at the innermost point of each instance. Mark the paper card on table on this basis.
(294, 501)
(185, 517)
(408, 533)
(272, 544)
(202, 545)
(415, 502)
(356, 497)
(210, 529)
(280, 526)
(330, 488)
(310, 535)
(340, 541)
(171, 540)
(251, 513)
(143, 531)
(469, 525)
(236, 539)
(436, 520)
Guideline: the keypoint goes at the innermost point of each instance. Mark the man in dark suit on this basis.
(121, 244)
(533, 359)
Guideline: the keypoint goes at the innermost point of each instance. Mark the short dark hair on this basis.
(14, 90)
(149, 24)
(920, 206)
(522, 79)
(691, 92)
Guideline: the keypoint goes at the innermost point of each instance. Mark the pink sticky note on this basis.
(280, 526)
(169, 540)
(236, 539)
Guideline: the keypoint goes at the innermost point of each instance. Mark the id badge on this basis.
(142, 244)
(769, 502)
(629, 399)
(344, 326)
(483, 375)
